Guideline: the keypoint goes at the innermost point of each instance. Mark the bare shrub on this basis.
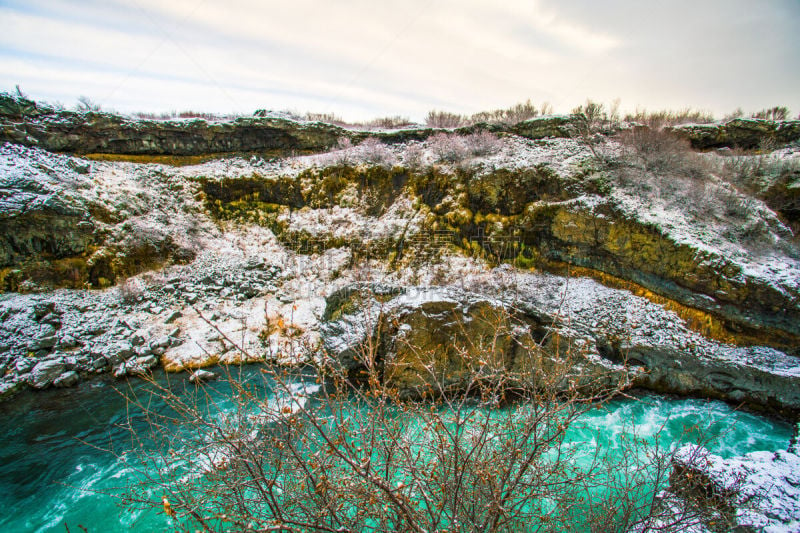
(445, 119)
(772, 113)
(414, 157)
(86, 105)
(591, 117)
(341, 154)
(659, 119)
(375, 152)
(130, 291)
(389, 123)
(736, 113)
(661, 151)
(448, 148)
(491, 454)
(512, 115)
(328, 118)
(482, 143)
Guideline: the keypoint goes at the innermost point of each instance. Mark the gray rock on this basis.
(42, 309)
(24, 365)
(161, 342)
(9, 387)
(143, 351)
(119, 352)
(44, 373)
(43, 343)
(199, 376)
(47, 330)
(119, 371)
(137, 339)
(67, 341)
(67, 379)
(172, 317)
(148, 361)
(53, 319)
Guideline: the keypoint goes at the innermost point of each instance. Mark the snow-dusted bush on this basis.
(483, 143)
(660, 151)
(444, 119)
(414, 157)
(448, 148)
(374, 152)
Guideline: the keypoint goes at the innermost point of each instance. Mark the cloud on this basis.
(361, 58)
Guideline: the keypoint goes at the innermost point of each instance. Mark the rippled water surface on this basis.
(54, 477)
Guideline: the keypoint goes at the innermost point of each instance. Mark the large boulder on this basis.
(425, 338)
(45, 373)
(427, 341)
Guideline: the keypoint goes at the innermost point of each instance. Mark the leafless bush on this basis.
(86, 105)
(482, 143)
(773, 113)
(448, 148)
(328, 118)
(444, 119)
(389, 123)
(130, 291)
(591, 117)
(375, 152)
(736, 113)
(181, 114)
(492, 455)
(659, 119)
(661, 151)
(414, 157)
(341, 154)
(511, 115)
(516, 113)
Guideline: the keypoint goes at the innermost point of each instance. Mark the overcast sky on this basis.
(367, 58)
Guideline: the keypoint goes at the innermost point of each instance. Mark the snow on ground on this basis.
(764, 486)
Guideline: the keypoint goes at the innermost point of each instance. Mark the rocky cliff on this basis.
(667, 229)
(29, 123)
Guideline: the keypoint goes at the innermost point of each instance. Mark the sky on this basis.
(362, 59)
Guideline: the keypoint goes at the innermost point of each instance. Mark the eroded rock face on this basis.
(37, 218)
(64, 222)
(426, 337)
(740, 132)
(31, 124)
(598, 235)
(67, 131)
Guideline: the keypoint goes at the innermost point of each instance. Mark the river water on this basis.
(56, 476)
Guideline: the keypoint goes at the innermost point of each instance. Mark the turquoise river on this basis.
(56, 476)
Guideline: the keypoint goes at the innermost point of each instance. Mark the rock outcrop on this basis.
(426, 338)
(26, 122)
(596, 233)
(748, 133)
(67, 223)
(758, 491)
